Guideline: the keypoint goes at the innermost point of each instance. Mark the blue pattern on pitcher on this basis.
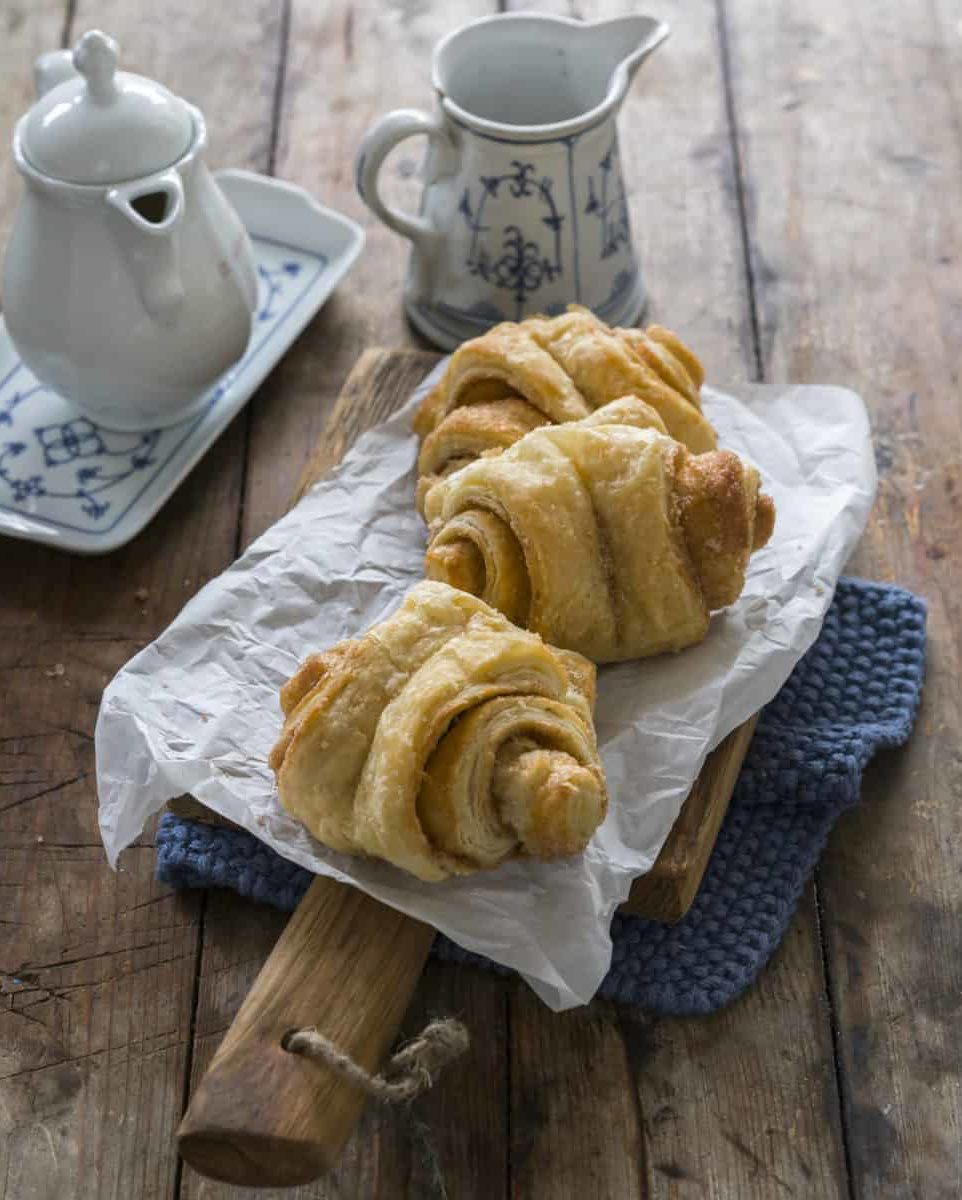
(608, 202)
(517, 262)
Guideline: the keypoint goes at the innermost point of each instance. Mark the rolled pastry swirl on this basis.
(605, 535)
(467, 433)
(549, 370)
(444, 740)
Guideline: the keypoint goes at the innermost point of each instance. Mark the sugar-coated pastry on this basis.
(445, 740)
(467, 433)
(549, 370)
(604, 535)
(569, 365)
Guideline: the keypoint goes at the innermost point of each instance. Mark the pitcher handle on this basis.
(377, 143)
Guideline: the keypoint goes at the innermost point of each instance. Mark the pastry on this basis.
(549, 370)
(468, 432)
(604, 535)
(444, 740)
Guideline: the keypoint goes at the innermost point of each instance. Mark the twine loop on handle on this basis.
(410, 1071)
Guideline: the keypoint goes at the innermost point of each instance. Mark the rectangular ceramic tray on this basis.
(69, 482)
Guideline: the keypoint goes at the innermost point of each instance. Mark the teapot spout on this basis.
(152, 209)
(622, 44)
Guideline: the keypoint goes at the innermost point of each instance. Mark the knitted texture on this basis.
(855, 691)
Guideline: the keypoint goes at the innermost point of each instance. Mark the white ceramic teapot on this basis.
(129, 282)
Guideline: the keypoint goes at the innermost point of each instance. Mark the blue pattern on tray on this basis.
(101, 473)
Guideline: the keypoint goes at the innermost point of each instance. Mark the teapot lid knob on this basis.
(95, 124)
(95, 57)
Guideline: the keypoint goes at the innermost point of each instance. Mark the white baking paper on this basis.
(197, 711)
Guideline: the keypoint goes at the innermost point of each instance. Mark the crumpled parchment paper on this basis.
(197, 710)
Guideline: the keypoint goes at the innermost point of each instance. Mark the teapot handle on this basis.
(52, 69)
(377, 143)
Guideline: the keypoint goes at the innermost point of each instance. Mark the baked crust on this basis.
(444, 740)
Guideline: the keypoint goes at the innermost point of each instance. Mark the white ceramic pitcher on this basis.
(129, 280)
(524, 207)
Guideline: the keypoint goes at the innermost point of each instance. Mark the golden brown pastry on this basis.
(467, 433)
(444, 740)
(567, 366)
(604, 535)
(515, 378)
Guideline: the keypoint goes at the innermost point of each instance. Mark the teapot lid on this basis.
(105, 126)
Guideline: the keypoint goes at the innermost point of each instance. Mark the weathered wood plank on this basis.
(348, 64)
(696, 1087)
(848, 118)
(94, 1038)
(238, 937)
(745, 1103)
(96, 985)
(380, 381)
(26, 31)
(331, 94)
(576, 1129)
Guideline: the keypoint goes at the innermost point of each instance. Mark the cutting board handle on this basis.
(263, 1117)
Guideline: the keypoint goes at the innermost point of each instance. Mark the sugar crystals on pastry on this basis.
(444, 740)
(604, 535)
(550, 370)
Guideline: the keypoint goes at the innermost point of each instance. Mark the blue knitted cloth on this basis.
(855, 691)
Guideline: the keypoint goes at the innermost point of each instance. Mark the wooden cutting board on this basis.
(348, 964)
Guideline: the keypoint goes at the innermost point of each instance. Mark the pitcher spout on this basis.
(620, 46)
(517, 75)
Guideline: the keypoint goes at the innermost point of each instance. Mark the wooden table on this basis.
(796, 185)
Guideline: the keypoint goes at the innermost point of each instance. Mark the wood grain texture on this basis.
(98, 970)
(26, 31)
(383, 1159)
(849, 127)
(710, 1095)
(96, 983)
(575, 1124)
(347, 65)
(744, 1103)
(669, 889)
(345, 965)
(238, 938)
(380, 381)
